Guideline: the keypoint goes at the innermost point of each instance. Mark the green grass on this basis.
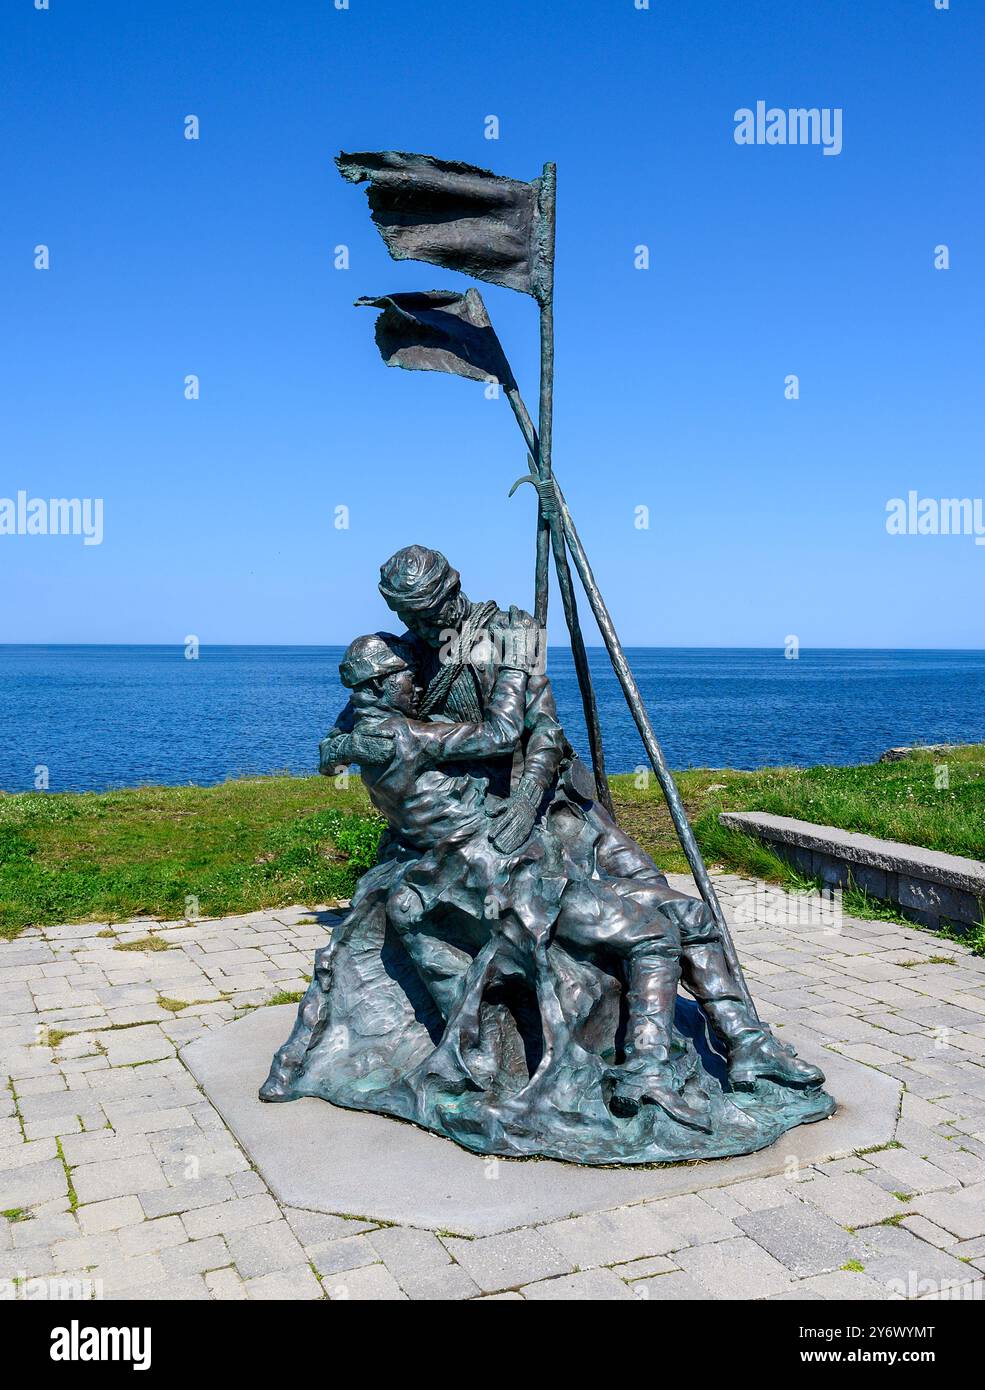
(268, 841)
(73, 1198)
(285, 996)
(894, 801)
(242, 845)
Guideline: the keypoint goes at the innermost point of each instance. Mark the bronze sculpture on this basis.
(507, 974)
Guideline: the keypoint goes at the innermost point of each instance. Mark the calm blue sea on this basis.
(100, 717)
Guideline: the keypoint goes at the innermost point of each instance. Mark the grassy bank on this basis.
(894, 801)
(261, 842)
(265, 842)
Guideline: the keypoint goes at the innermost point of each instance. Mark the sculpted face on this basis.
(429, 623)
(402, 693)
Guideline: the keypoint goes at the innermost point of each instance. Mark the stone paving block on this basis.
(316, 1227)
(191, 1288)
(404, 1249)
(126, 1046)
(290, 1285)
(961, 1212)
(73, 1067)
(118, 1177)
(40, 1085)
(612, 1237)
(122, 1278)
(44, 1229)
(940, 1015)
(82, 1251)
(225, 1285)
(247, 1183)
(192, 1152)
(61, 1124)
(59, 1105)
(22, 1155)
(10, 1134)
(510, 1260)
(110, 1215)
(152, 1121)
(869, 1053)
(690, 1219)
(737, 1268)
(966, 1167)
(908, 1267)
(888, 1183)
(851, 1201)
(196, 1256)
(593, 1286)
(675, 1287)
(421, 1265)
(24, 1187)
(101, 1147)
(968, 1249)
(966, 1293)
(927, 1231)
(644, 1269)
(722, 1201)
(370, 1283)
(33, 1263)
(845, 1284)
(852, 1164)
(762, 1194)
(236, 1214)
(802, 1238)
(265, 1249)
(442, 1284)
(161, 1234)
(185, 1197)
(350, 1252)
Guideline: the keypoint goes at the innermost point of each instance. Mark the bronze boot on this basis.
(648, 1075)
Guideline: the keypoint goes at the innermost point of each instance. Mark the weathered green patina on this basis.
(508, 973)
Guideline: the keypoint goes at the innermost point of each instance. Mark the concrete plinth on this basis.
(317, 1156)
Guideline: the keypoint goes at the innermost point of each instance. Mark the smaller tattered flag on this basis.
(457, 216)
(440, 331)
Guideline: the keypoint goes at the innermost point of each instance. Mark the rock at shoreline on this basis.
(898, 755)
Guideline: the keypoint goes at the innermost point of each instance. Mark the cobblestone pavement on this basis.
(118, 1175)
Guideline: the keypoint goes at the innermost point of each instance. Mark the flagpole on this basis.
(393, 177)
(545, 298)
(570, 605)
(638, 710)
(550, 537)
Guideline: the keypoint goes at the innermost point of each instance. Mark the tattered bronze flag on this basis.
(440, 331)
(457, 216)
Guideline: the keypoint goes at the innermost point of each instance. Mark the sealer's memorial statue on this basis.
(508, 973)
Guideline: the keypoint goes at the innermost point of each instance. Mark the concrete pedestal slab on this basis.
(317, 1156)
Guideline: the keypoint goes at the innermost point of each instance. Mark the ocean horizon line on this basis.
(552, 646)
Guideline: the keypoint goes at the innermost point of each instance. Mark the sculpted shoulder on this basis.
(514, 617)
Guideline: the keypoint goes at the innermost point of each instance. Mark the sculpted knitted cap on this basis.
(378, 654)
(418, 579)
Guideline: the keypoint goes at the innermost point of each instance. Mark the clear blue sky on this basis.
(215, 257)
